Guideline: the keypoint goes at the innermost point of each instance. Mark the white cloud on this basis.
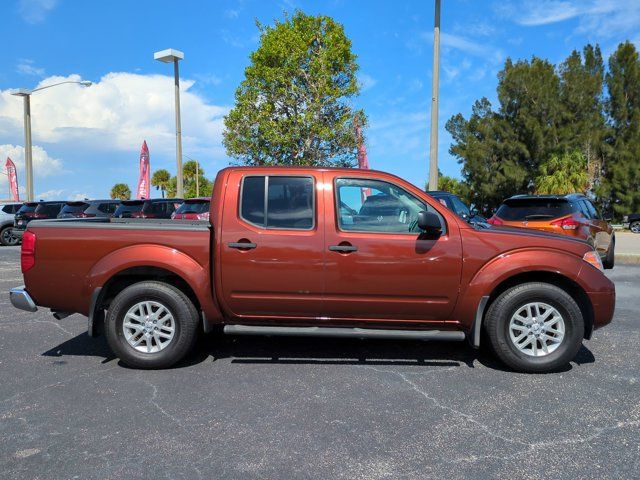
(35, 11)
(117, 113)
(208, 79)
(366, 81)
(79, 196)
(27, 67)
(50, 195)
(231, 13)
(43, 164)
(605, 18)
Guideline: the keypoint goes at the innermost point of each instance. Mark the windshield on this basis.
(533, 209)
(129, 207)
(28, 208)
(74, 207)
(199, 206)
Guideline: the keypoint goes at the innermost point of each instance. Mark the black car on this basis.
(7, 214)
(89, 208)
(634, 222)
(35, 211)
(150, 208)
(453, 203)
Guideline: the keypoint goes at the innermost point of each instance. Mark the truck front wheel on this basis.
(151, 325)
(535, 327)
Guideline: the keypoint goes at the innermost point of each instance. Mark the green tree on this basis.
(293, 107)
(120, 191)
(160, 180)
(562, 174)
(489, 151)
(194, 182)
(622, 171)
(583, 125)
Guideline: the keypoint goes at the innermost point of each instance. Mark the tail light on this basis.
(85, 215)
(39, 215)
(495, 221)
(28, 251)
(138, 214)
(566, 223)
(203, 216)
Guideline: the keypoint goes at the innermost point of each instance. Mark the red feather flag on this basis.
(13, 180)
(143, 180)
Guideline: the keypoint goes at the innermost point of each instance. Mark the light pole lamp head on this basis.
(21, 92)
(86, 83)
(168, 56)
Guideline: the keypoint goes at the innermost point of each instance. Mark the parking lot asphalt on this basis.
(288, 408)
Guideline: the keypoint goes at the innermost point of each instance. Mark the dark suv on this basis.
(35, 211)
(453, 203)
(89, 208)
(7, 214)
(151, 208)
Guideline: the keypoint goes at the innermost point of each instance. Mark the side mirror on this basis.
(429, 222)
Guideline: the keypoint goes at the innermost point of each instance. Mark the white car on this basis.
(7, 212)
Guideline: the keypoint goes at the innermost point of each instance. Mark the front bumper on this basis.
(22, 300)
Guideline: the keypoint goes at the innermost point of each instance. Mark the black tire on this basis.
(500, 312)
(635, 226)
(184, 313)
(6, 237)
(610, 260)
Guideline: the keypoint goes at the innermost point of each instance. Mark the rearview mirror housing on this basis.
(429, 222)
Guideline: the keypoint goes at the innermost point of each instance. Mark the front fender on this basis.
(150, 255)
(487, 278)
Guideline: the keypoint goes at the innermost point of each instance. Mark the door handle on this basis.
(343, 248)
(242, 245)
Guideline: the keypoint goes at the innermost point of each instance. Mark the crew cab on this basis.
(318, 252)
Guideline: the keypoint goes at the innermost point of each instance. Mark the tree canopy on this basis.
(556, 129)
(120, 191)
(160, 179)
(292, 108)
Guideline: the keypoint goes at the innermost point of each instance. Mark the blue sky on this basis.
(87, 139)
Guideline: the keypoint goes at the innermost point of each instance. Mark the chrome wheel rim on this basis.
(149, 327)
(536, 329)
(635, 227)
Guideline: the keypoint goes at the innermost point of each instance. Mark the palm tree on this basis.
(160, 180)
(562, 174)
(121, 191)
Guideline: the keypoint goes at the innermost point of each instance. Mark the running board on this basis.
(449, 336)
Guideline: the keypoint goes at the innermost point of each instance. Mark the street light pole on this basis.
(433, 148)
(168, 56)
(28, 148)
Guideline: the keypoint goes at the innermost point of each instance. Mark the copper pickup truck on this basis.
(318, 252)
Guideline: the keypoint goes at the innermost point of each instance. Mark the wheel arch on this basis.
(553, 278)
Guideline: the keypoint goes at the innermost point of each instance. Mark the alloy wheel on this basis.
(536, 329)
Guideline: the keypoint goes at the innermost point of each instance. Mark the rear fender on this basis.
(167, 258)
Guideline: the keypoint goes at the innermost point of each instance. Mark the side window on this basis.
(365, 205)
(460, 208)
(290, 202)
(7, 209)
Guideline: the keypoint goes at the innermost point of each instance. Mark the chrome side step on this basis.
(450, 336)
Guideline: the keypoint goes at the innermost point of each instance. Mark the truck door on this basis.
(272, 248)
(379, 266)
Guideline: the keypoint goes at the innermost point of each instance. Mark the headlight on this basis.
(593, 258)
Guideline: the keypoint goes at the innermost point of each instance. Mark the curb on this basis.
(628, 258)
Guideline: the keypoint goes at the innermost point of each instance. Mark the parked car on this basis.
(453, 202)
(368, 255)
(573, 215)
(150, 208)
(7, 214)
(34, 211)
(89, 209)
(193, 209)
(633, 221)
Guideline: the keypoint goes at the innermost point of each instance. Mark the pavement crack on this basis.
(152, 401)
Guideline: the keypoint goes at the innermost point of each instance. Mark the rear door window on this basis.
(517, 209)
(74, 208)
(289, 202)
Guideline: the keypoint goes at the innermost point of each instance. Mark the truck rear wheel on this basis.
(151, 325)
(535, 327)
